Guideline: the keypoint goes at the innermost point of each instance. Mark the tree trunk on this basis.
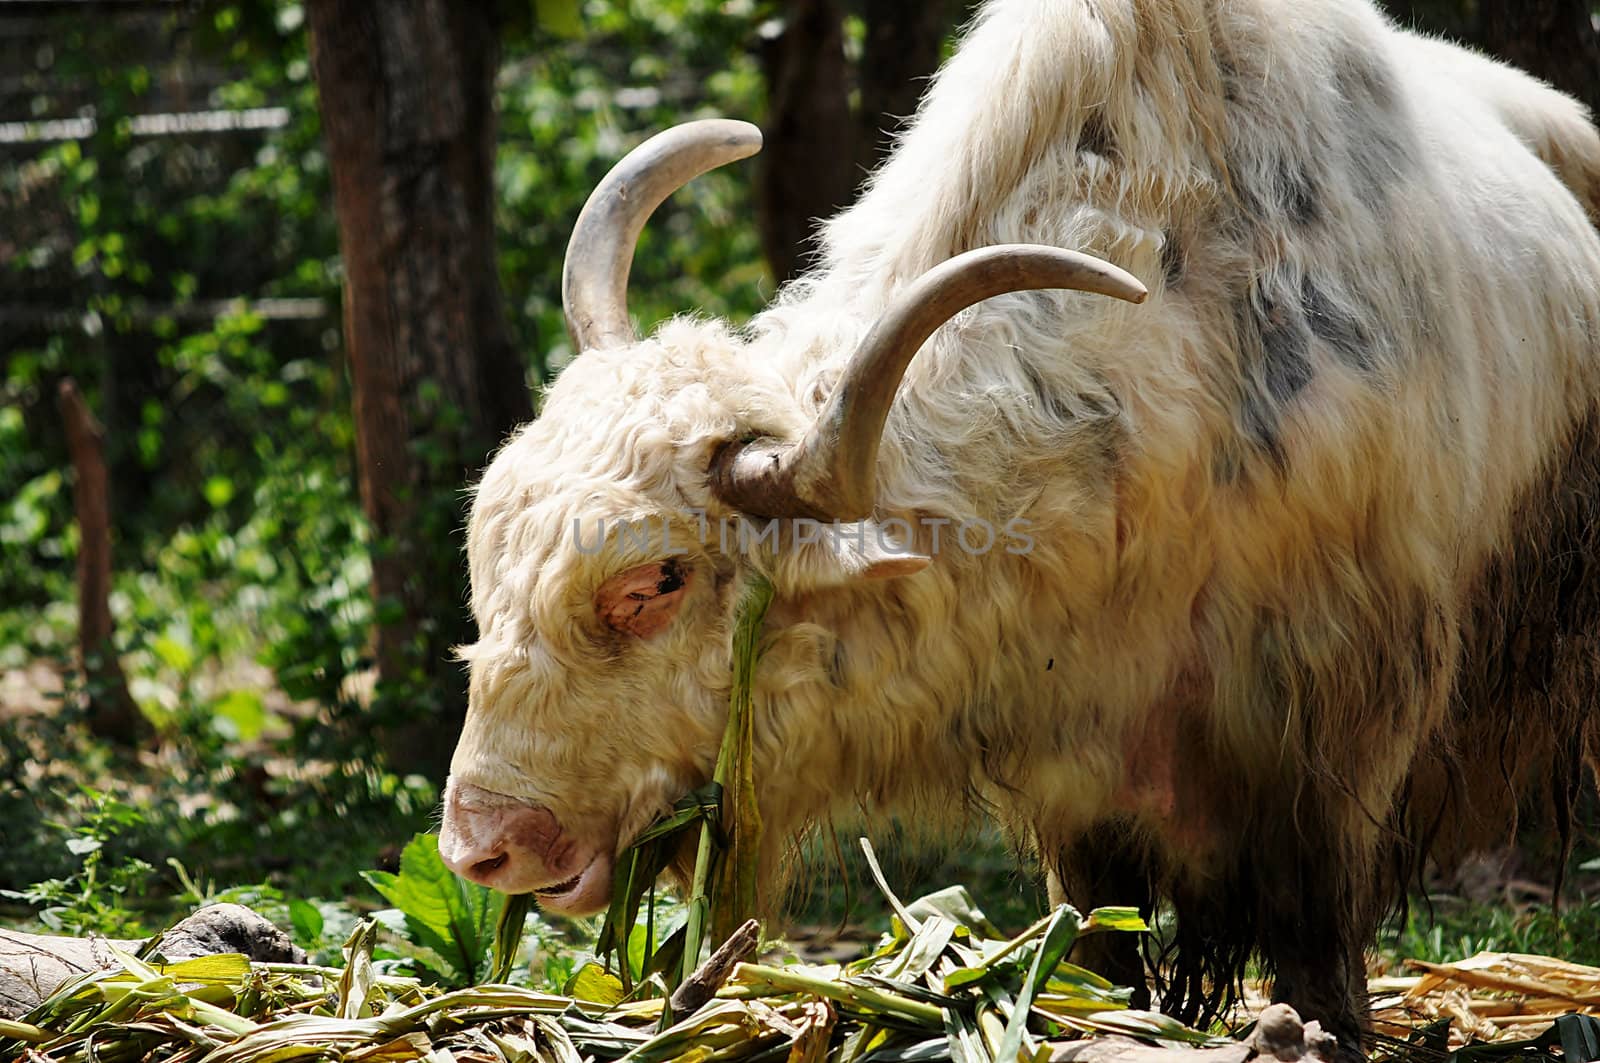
(808, 165)
(1553, 39)
(406, 95)
(817, 149)
(899, 55)
(1452, 18)
(112, 712)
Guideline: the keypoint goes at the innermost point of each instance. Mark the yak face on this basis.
(604, 578)
(608, 540)
(599, 678)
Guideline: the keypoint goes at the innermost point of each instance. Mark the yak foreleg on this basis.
(1107, 867)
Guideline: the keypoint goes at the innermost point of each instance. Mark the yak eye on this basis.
(643, 600)
(672, 577)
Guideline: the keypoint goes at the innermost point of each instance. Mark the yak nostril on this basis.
(491, 865)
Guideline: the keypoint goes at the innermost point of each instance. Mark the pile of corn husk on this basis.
(1493, 997)
(942, 985)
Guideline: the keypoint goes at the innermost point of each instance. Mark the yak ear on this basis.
(644, 600)
(845, 555)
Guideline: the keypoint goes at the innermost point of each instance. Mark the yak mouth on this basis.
(559, 888)
(585, 893)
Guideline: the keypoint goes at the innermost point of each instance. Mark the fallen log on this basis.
(32, 966)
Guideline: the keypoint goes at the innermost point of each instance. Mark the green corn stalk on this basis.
(724, 885)
(508, 935)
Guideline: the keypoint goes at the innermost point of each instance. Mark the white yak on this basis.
(1274, 556)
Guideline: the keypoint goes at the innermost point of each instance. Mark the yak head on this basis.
(610, 539)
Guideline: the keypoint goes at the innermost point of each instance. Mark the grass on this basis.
(1455, 929)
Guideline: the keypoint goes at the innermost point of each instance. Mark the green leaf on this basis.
(997, 956)
(965, 1042)
(695, 806)
(174, 654)
(306, 920)
(218, 491)
(1149, 1024)
(356, 983)
(924, 949)
(908, 922)
(508, 935)
(454, 918)
(638, 950)
(733, 888)
(241, 715)
(1069, 977)
(955, 904)
(564, 18)
(228, 968)
(668, 956)
(1115, 919)
(593, 983)
(1058, 938)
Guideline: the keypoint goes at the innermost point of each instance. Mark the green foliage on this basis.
(1448, 930)
(451, 932)
(635, 940)
(94, 898)
(560, 17)
(242, 571)
(450, 920)
(570, 109)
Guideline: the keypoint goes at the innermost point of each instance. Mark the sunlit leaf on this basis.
(454, 918)
(595, 985)
(563, 18)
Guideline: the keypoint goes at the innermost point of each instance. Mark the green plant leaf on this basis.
(955, 904)
(1149, 1024)
(593, 983)
(1058, 938)
(454, 918)
(563, 18)
(240, 715)
(1115, 919)
(306, 920)
(174, 654)
(228, 968)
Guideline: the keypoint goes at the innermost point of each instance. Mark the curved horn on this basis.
(830, 474)
(594, 277)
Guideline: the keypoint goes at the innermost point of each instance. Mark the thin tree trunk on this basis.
(1452, 18)
(818, 149)
(899, 55)
(112, 712)
(808, 165)
(1554, 39)
(406, 95)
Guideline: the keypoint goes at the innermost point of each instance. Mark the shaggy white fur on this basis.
(1265, 506)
